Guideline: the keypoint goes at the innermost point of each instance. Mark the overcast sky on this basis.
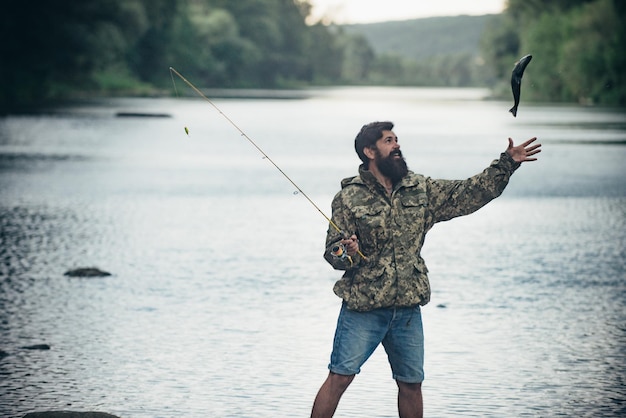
(367, 11)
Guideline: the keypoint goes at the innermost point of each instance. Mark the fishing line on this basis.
(176, 90)
(265, 156)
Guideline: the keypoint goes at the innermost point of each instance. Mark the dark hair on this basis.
(368, 136)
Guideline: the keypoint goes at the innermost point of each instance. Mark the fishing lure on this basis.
(516, 80)
(340, 248)
(176, 90)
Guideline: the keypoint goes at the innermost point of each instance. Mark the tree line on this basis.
(435, 51)
(56, 49)
(577, 46)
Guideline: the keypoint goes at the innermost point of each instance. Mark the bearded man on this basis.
(389, 209)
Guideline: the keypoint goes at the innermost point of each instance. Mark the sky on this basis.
(368, 11)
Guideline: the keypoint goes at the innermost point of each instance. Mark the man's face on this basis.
(388, 157)
(387, 143)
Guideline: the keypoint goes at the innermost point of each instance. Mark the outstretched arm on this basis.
(451, 198)
(524, 152)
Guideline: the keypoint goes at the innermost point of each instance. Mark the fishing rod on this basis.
(337, 250)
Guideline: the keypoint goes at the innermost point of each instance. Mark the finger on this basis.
(510, 143)
(350, 244)
(530, 141)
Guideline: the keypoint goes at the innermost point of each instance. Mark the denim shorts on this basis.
(398, 329)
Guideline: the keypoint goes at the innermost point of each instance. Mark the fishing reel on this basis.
(339, 251)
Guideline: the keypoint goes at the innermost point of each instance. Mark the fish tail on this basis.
(513, 110)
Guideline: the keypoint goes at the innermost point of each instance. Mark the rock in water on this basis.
(87, 272)
(36, 347)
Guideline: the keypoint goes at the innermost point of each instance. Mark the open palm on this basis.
(525, 151)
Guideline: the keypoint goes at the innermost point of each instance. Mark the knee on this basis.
(409, 387)
(340, 381)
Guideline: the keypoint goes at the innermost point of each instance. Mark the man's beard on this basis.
(393, 168)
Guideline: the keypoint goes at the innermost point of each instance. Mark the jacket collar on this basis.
(366, 178)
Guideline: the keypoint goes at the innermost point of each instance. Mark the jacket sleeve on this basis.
(453, 198)
(343, 219)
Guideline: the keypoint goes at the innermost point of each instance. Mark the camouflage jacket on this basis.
(391, 231)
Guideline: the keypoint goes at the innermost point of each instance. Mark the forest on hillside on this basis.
(55, 49)
(577, 46)
(435, 51)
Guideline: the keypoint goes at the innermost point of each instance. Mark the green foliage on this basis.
(577, 47)
(547, 75)
(438, 51)
(524, 11)
(421, 39)
(58, 49)
(500, 45)
(594, 53)
(357, 59)
(50, 46)
(122, 81)
(325, 53)
(455, 70)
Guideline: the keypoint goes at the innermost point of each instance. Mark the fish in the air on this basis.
(516, 80)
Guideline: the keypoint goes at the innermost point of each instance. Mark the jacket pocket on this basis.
(413, 208)
(372, 225)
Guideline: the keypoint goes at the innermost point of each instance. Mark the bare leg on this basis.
(329, 395)
(410, 403)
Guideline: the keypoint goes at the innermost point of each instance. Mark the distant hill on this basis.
(420, 39)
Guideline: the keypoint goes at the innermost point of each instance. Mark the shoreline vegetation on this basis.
(123, 48)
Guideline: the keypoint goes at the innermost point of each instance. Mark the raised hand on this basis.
(525, 151)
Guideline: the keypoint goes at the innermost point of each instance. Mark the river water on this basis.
(220, 303)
